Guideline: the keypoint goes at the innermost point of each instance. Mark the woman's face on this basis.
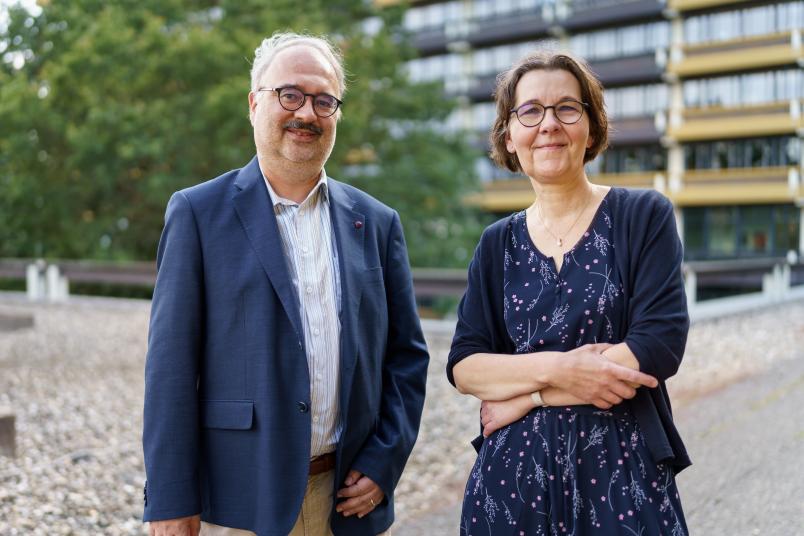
(552, 151)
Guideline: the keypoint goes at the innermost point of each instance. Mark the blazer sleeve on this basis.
(404, 374)
(657, 310)
(170, 420)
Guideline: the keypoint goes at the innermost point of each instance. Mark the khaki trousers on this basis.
(313, 519)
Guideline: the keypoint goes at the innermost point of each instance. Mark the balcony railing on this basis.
(736, 55)
(710, 123)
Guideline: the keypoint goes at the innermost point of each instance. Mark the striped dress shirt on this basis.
(311, 255)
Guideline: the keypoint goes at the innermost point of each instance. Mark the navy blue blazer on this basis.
(655, 321)
(226, 429)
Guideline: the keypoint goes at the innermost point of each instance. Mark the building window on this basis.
(745, 89)
(740, 231)
(786, 228)
(755, 230)
(483, 116)
(443, 67)
(761, 20)
(624, 41)
(633, 159)
(582, 5)
(636, 101)
(493, 60)
(484, 9)
(488, 171)
(721, 230)
(754, 152)
(433, 16)
(694, 238)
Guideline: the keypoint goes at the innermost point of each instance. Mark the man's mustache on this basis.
(298, 124)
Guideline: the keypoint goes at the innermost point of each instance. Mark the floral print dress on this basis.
(573, 470)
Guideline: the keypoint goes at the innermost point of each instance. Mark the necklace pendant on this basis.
(559, 242)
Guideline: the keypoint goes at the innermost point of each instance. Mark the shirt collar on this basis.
(322, 186)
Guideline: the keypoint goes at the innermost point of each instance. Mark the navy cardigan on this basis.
(648, 257)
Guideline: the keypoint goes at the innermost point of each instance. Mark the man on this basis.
(286, 366)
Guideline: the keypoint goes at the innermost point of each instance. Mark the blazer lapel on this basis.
(350, 229)
(253, 206)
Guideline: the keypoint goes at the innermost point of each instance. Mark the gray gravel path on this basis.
(75, 383)
(746, 441)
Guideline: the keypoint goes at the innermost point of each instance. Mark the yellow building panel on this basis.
(735, 127)
(686, 5)
(735, 60)
(766, 175)
(741, 43)
(715, 113)
(502, 201)
(626, 180)
(509, 185)
(516, 194)
(742, 194)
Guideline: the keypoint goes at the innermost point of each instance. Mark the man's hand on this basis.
(362, 494)
(183, 526)
(496, 414)
(589, 376)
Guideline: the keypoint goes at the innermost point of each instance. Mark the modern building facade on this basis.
(705, 99)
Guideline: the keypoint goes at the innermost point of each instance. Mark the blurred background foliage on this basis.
(106, 108)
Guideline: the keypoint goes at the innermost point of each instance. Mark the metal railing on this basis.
(763, 280)
(50, 280)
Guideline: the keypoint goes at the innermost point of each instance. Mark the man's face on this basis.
(294, 140)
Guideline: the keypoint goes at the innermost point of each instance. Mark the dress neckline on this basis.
(577, 242)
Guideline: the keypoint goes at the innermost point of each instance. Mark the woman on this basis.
(573, 318)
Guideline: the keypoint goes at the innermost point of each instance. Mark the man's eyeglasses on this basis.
(291, 99)
(531, 114)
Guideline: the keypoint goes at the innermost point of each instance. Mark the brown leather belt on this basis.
(322, 464)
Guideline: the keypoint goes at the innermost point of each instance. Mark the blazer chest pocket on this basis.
(227, 414)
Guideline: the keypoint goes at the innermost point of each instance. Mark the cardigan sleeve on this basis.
(478, 327)
(657, 310)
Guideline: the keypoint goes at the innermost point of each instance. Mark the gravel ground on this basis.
(747, 441)
(75, 384)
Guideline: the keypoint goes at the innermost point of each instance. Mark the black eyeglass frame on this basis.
(584, 106)
(313, 96)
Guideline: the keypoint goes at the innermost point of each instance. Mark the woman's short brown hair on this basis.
(549, 60)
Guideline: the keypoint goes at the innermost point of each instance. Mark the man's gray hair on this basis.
(265, 53)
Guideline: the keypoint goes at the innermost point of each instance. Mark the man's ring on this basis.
(372, 502)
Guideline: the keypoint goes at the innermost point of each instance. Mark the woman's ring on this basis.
(372, 502)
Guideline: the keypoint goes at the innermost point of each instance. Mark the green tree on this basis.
(118, 104)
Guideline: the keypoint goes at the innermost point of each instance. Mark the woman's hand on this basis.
(587, 375)
(496, 414)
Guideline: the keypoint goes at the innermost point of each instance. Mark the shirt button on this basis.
(318, 376)
(316, 331)
(315, 419)
(303, 407)
(305, 249)
(309, 290)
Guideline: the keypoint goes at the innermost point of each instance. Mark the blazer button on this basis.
(303, 407)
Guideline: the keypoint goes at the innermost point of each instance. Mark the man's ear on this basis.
(252, 106)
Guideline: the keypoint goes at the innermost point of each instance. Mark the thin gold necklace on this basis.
(560, 239)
